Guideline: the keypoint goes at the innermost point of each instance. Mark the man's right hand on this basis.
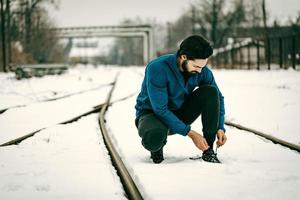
(198, 140)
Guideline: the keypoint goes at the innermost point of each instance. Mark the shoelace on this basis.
(199, 157)
(211, 158)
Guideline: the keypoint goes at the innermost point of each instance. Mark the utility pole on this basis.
(214, 23)
(267, 39)
(3, 36)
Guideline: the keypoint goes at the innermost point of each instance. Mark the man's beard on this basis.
(186, 73)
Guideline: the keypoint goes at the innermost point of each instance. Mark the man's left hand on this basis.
(221, 137)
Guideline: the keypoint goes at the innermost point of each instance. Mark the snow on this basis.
(70, 161)
(33, 90)
(62, 162)
(264, 100)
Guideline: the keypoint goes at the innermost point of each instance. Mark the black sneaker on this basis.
(157, 156)
(210, 156)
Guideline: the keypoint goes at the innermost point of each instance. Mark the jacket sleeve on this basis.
(208, 79)
(158, 95)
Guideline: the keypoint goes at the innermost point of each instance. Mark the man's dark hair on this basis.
(195, 47)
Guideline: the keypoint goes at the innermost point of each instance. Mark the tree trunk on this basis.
(27, 26)
(8, 31)
(3, 37)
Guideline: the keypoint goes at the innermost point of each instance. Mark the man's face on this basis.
(191, 67)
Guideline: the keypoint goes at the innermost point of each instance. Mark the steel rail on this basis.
(20, 139)
(130, 187)
(266, 136)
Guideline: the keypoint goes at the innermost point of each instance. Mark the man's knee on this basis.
(152, 131)
(213, 91)
(208, 90)
(154, 139)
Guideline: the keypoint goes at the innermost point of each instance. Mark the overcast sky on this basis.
(111, 12)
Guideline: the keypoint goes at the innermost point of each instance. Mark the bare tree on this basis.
(29, 14)
(29, 22)
(216, 18)
(43, 43)
(254, 13)
(177, 31)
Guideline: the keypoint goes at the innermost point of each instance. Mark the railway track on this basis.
(59, 97)
(130, 188)
(24, 137)
(95, 109)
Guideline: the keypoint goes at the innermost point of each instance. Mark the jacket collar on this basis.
(172, 63)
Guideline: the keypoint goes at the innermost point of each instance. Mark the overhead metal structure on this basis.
(144, 31)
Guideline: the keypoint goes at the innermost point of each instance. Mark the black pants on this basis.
(203, 101)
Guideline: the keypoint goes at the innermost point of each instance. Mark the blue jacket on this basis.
(163, 91)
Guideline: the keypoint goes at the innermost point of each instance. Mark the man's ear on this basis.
(183, 57)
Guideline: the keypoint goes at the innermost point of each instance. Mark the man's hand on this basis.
(198, 140)
(221, 138)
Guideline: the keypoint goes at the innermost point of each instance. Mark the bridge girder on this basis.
(144, 31)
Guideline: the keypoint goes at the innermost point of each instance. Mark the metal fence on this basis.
(273, 53)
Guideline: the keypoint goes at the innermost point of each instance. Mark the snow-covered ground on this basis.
(61, 162)
(268, 101)
(70, 161)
